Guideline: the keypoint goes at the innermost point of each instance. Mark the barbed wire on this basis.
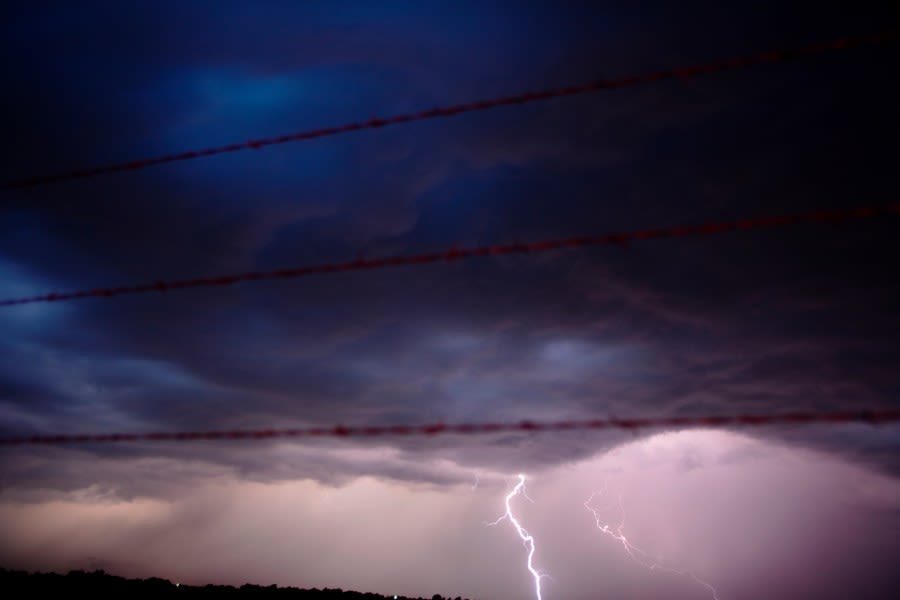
(874, 417)
(819, 216)
(781, 55)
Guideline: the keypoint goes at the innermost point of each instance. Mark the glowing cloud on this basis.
(638, 555)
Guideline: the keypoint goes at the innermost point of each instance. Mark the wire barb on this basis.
(867, 416)
(524, 98)
(456, 253)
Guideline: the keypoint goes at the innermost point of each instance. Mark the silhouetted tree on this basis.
(16, 584)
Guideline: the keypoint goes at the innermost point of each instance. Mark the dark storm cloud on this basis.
(800, 318)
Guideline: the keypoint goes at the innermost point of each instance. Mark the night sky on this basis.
(799, 318)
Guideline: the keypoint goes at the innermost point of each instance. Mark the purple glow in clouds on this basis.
(639, 556)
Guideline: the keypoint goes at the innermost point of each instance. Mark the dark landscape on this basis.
(99, 582)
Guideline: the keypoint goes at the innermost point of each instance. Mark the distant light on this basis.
(179, 585)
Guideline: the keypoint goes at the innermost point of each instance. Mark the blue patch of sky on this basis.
(574, 356)
(219, 106)
(224, 103)
(17, 281)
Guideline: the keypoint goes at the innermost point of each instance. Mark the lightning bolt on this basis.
(527, 540)
(639, 556)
